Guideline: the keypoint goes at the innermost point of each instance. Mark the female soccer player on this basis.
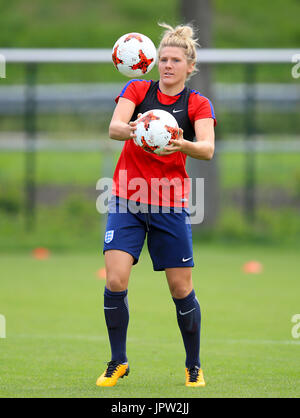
(168, 232)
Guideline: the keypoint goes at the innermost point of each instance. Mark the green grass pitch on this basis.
(56, 342)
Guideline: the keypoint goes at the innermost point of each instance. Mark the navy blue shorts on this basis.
(169, 235)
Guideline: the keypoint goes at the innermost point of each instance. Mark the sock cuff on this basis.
(111, 294)
(181, 303)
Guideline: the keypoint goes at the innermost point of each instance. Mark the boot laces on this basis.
(112, 366)
(193, 373)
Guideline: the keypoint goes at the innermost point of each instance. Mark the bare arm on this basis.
(203, 148)
(120, 128)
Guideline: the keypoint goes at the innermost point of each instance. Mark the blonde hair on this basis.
(181, 36)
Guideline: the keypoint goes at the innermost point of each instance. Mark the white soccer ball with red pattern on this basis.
(155, 129)
(134, 55)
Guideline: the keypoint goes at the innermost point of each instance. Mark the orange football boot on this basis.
(112, 373)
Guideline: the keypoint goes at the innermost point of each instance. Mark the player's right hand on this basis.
(133, 128)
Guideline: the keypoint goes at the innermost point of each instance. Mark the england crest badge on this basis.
(109, 236)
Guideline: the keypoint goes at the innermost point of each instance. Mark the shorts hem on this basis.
(135, 259)
(159, 268)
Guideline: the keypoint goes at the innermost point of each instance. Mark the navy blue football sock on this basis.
(117, 317)
(189, 321)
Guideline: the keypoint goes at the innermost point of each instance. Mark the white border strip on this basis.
(211, 55)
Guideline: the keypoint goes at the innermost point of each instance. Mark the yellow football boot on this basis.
(194, 377)
(112, 373)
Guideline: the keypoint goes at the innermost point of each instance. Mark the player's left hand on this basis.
(176, 145)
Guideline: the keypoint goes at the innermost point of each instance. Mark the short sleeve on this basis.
(200, 107)
(135, 91)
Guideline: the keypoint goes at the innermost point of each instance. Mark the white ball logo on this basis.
(134, 55)
(155, 129)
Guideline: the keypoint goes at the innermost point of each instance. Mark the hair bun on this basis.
(186, 32)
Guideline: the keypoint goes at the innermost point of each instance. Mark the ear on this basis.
(191, 68)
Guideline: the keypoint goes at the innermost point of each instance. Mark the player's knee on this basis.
(180, 291)
(116, 282)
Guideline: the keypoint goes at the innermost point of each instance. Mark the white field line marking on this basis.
(65, 337)
(104, 338)
(254, 342)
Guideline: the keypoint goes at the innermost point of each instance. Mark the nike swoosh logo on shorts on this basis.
(115, 307)
(184, 260)
(185, 313)
(176, 111)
